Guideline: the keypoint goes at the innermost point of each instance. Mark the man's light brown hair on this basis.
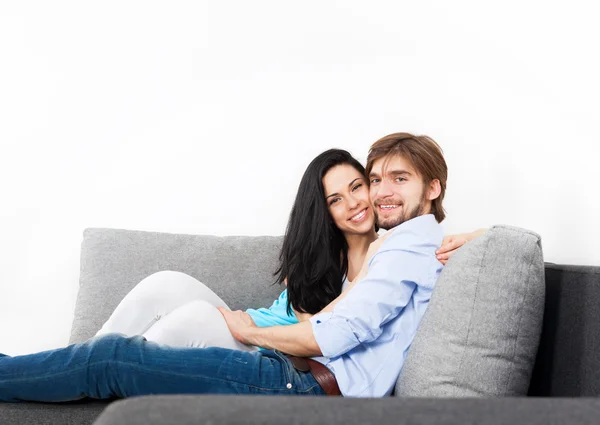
(425, 156)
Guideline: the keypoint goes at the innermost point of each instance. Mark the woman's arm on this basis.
(452, 242)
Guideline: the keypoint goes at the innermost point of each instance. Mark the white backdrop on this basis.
(200, 117)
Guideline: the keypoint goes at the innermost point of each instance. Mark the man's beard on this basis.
(392, 222)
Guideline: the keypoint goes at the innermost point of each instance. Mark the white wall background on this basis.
(200, 117)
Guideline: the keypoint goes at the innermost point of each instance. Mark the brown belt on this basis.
(319, 371)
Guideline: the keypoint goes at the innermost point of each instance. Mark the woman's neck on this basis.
(358, 245)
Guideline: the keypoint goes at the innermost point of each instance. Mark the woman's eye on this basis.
(334, 200)
(356, 187)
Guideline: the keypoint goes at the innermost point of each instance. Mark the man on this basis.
(362, 338)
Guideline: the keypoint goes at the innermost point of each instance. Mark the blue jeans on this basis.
(117, 366)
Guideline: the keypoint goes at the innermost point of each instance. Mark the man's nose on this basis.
(384, 189)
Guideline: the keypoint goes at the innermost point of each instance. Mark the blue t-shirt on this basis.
(274, 315)
(277, 313)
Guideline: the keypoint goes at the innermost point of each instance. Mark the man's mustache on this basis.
(378, 202)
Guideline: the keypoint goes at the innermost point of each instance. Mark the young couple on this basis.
(352, 301)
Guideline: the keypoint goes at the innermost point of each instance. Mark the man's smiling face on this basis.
(397, 191)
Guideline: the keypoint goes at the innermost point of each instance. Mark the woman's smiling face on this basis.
(347, 197)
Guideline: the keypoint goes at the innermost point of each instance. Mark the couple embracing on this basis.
(342, 326)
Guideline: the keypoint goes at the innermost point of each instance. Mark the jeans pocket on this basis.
(292, 380)
(298, 377)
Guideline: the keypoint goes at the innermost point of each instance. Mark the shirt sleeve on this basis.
(394, 273)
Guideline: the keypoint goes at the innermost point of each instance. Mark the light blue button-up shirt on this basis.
(364, 340)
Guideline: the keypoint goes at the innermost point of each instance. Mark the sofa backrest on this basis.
(568, 359)
(238, 268)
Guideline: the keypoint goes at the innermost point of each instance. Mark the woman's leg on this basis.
(195, 324)
(116, 366)
(154, 297)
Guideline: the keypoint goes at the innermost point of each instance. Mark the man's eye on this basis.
(400, 179)
(374, 181)
(356, 187)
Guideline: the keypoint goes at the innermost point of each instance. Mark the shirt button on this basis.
(318, 321)
(289, 386)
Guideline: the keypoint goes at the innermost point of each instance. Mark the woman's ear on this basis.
(434, 189)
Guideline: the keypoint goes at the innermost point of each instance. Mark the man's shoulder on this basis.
(409, 252)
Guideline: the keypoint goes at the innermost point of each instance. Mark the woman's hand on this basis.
(451, 243)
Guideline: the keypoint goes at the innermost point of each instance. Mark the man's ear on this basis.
(434, 190)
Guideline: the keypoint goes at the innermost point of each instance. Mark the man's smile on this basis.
(388, 207)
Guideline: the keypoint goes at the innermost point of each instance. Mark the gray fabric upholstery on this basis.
(188, 410)
(238, 268)
(480, 334)
(568, 362)
(75, 413)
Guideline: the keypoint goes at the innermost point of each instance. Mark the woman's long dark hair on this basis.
(314, 255)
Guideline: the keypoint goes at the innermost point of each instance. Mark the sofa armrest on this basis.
(180, 410)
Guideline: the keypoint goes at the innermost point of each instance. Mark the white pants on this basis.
(175, 309)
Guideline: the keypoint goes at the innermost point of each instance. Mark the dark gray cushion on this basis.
(568, 361)
(238, 268)
(480, 333)
(188, 410)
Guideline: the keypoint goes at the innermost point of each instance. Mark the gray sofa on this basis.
(240, 270)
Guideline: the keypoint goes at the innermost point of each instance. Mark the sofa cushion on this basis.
(238, 268)
(480, 334)
(290, 410)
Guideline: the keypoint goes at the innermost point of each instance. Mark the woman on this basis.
(329, 232)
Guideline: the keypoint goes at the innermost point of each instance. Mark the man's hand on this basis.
(239, 324)
(297, 339)
(452, 242)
